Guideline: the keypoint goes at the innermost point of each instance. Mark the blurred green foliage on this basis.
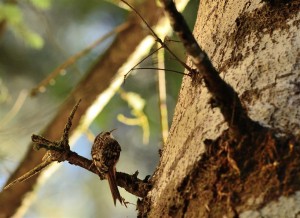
(13, 16)
(41, 4)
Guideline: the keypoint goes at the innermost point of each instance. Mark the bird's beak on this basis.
(111, 131)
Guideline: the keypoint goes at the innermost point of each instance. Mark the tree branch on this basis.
(88, 89)
(60, 151)
(223, 94)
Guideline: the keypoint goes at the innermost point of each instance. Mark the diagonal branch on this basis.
(223, 94)
(29, 174)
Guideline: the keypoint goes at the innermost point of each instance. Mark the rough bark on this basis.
(202, 173)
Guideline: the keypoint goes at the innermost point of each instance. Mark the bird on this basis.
(105, 154)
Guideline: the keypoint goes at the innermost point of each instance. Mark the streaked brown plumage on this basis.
(105, 153)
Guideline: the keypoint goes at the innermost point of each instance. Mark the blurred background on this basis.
(36, 36)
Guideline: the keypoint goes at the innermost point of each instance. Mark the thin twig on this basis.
(60, 151)
(71, 60)
(29, 174)
(161, 69)
(134, 67)
(159, 40)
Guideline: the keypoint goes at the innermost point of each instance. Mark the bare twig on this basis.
(163, 45)
(135, 66)
(60, 151)
(29, 174)
(71, 60)
(160, 69)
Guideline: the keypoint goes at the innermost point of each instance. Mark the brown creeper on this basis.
(105, 153)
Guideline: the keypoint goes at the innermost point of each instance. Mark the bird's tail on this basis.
(111, 177)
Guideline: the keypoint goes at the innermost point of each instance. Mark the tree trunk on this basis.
(255, 46)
